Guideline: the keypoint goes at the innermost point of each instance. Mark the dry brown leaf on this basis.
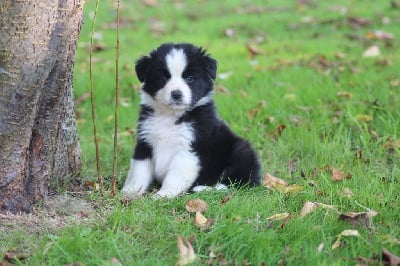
(255, 111)
(253, 49)
(222, 89)
(227, 198)
(348, 232)
(308, 208)
(202, 222)
(186, 252)
(285, 221)
(389, 258)
(292, 189)
(338, 175)
(380, 35)
(344, 94)
(279, 216)
(277, 132)
(358, 218)
(13, 256)
(151, 3)
(326, 206)
(372, 51)
(82, 98)
(272, 182)
(364, 118)
(346, 192)
(115, 262)
(196, 205)
(395, 83)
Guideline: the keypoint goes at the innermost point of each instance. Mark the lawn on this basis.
(314, 86)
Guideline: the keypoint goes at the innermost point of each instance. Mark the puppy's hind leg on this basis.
(243, 165)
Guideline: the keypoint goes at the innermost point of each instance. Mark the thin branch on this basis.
(114, 175)
(96, 141)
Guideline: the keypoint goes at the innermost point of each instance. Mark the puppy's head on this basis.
(176, 76)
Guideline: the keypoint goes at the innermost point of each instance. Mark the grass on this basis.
(340, 110)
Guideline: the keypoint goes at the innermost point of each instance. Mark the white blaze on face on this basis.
(176, 64)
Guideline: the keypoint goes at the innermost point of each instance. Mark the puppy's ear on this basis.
(141, 67)
(211, 66)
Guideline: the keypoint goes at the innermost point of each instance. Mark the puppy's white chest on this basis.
(168, 141)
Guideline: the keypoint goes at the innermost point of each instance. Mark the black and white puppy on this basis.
(181, 141)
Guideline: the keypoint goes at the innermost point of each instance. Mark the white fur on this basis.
(139, 178)
(176, 63)
(173, 164)
(218, 186)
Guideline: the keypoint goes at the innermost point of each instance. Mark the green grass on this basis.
(309, 54)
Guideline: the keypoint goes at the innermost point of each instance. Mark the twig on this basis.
(114, 174)
(96, 141)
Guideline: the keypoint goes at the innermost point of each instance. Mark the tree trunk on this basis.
(39, 147)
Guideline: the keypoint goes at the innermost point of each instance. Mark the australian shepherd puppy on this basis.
(181, 141)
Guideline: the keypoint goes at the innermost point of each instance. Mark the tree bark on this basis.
(39, 148)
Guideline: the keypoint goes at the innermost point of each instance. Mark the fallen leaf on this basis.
(389, 258)
(82, 98)
(196, 205)
(320, 247)
(363, 118)
(186, 252)
(279, 216)
(308, 208)
(151, 3)
(98, 47)
(357, 22)
(380, 35)
(344, 94)
(255, 111)
(225, 75)
(372, 51)
(285, 220)
(157, 27)
(222, 89)
(291, 189)
(338, 175)
(115, 262)
(349, 232)
(13, 256)
(253, 49)
(277, 132)
(202, 222)
(272, 182)
(291, 97)
(395, 83)
(327, 206)
(227, 198)
(229, 32)
(346, 192)
(358, 218)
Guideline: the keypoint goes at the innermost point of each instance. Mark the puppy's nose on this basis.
(176, 95)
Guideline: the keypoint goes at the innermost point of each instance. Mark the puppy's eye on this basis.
(189, 78)
(166, 75)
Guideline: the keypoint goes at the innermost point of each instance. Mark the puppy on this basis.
(181, 141)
